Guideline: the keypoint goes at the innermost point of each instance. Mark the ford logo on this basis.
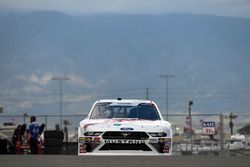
(125, 134)
(126, 129)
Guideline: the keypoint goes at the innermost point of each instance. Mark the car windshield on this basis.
(146, 111)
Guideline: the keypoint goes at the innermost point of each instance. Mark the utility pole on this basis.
(60, 79)
(147, 93)
(166, 77)
(222, 133)
(1, 109)
(190, 124)
(24, 117)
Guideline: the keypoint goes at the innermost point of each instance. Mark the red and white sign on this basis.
(208, 128)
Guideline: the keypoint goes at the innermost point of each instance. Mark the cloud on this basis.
(46, 78)
(80, 81)
(32, 88)
(49, 100)
(79, 7)
(210, 94)
(33, 78)
(78, 98)
(25, 104)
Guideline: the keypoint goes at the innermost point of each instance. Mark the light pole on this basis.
(147, 93)
(24, 117)
(166, 77)
(60, 79)
(231, 124)
(190, 124)
(1, 109)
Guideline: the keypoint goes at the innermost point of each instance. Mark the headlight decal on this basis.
(92, 133)
(158, 134)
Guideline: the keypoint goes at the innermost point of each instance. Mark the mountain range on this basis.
(110, 56)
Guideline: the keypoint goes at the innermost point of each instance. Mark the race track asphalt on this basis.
(122, 161)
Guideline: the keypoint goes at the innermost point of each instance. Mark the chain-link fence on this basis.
(188, 132)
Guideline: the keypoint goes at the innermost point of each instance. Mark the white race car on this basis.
(124, 127)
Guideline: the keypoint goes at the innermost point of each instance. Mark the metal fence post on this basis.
(46, 122)
(222, 133)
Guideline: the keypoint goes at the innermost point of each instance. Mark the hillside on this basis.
(121, 55)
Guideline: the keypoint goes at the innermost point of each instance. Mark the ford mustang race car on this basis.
(125, 127)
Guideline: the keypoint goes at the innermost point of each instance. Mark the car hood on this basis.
(124, 125)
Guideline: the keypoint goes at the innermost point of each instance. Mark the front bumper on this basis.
(89, 145)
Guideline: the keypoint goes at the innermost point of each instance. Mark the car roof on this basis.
(129, 101)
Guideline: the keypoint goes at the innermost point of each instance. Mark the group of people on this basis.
(34, 131)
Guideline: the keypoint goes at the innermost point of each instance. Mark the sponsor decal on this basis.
(168, 144)
(117, 124)
(166, 148)
(83, 151)
(121, 141)
(85, 139)
(165, 151)
(82, 148)
(126, 129)
(164, 140)
(97, 140)
(86, 126)
(153, 141)
(125, 119)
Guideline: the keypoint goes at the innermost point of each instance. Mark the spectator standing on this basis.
(33, 132)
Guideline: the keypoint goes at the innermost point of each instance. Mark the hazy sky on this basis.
(238, 8)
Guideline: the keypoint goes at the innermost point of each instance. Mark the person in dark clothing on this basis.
(17, 139)
(33, 131)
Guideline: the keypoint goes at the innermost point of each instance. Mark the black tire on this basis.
(52, 142)
(3, 146)
(53, 134)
